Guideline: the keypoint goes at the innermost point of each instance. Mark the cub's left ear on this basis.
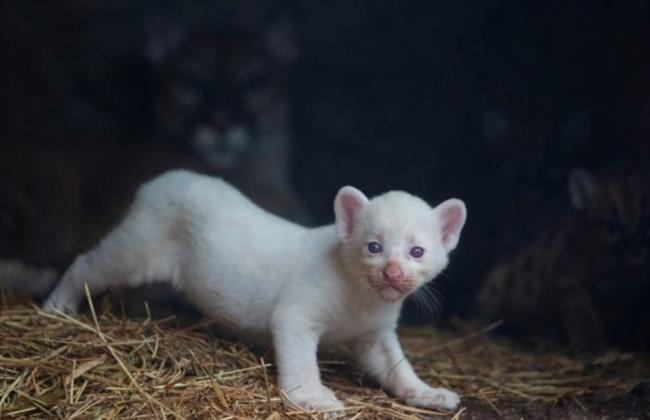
(451, 215)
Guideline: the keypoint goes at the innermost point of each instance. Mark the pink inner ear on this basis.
(348, 203)
(349, 206)
(452, 219)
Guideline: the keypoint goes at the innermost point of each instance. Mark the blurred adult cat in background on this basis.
(587, 281)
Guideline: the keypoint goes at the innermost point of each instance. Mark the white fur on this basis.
(271, 280)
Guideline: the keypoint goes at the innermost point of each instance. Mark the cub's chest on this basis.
(353, 322)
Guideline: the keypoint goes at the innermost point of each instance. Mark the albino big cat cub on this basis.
(272, 281)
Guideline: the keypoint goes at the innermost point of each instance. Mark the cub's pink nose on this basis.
(393, 272)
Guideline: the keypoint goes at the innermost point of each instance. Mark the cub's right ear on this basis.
(582, 186)
(347, 204)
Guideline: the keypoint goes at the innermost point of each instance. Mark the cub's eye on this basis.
(375, 248)
(417, 252)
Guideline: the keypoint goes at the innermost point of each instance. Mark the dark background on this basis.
(492, 102)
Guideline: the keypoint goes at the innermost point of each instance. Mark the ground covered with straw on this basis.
(107, 366)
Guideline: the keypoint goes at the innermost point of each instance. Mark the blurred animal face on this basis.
(616, 212)
(218, 89)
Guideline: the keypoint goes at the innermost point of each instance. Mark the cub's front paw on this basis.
(437, 398)
(314, 398)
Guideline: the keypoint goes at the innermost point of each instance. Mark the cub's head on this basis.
(396, 242)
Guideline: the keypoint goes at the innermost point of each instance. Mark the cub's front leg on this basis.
(295, 343)
(380, 356)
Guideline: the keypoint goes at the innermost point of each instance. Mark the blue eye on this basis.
(417, 252)
(375, 248)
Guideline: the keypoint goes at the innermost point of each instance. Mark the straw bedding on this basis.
(101, 365)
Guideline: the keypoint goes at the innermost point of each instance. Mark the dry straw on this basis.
(106, 366)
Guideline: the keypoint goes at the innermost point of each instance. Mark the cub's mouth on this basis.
(391, 290)
(391, 293)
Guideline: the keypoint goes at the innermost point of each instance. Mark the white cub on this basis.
(272, 281)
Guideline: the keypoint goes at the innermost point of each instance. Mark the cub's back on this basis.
(188, 189)
(207, 208)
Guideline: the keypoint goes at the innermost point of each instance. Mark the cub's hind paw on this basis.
(56, 303)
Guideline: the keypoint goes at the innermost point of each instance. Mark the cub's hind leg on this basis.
(134, 253)
(95, 268)
(145, 247)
